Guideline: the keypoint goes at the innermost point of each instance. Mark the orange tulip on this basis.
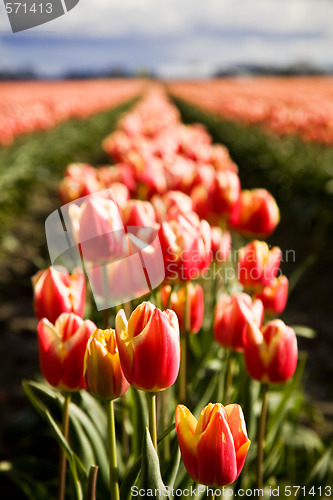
(56, 292)
(62, 348)
(149, 347)
(103, 373)
(213, 448)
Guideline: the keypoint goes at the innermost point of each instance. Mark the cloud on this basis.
(174, 34)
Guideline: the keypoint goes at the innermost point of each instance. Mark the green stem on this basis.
(62, 458)
(91, 486)
(152, 417)
(114, 486)
(165, 404)
(210, 496)
(184, 344)
(261, 437)
(229, 377)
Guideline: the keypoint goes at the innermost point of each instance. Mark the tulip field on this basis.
(163, 286)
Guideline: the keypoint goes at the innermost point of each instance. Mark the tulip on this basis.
(56, 292)
(80, 180)
(186, 247)
(139, 213)
(221, 244)
(259, 213)
(214, 448)
(270, 354)
(258, 265)
(177, 303)
(149, 347)
(103, 373)
(171, 205)
(98, 228)
(274, 296)
(62, 348)
(232, 315)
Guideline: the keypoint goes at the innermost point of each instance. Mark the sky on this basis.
(173, 38)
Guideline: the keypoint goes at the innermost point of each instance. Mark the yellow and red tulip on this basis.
(62, 347)
(258, 265)
(56, 292)
(177, 304)
(149, 347)
(186, 246)
(274, 296)
(271, 353)
(259, 213)
(103, 372)
(214, 448)
(232, 315)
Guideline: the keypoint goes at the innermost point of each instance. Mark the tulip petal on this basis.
(216, 453)
(51, 352)
(237, 427)
(185, 428)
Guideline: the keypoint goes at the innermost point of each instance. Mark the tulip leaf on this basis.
(44, 412)
(322, 470)
(151, 479)
(275, 421)
(173, 467)
(305, 331)
(99, 449)
(133, 473)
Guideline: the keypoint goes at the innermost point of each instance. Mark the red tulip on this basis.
(139, 213)
(232, 315)
(177, 304)
(62, 347)
(271, 354)
(257, 264)
(171, 205)
(259, 213)
(103, 373)
(149, 347)
(56, 292)
(186, 248)
(214, 448)
(274, 296)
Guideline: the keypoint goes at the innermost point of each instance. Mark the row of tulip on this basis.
(301, 106)
(30, 106)
(167, 178)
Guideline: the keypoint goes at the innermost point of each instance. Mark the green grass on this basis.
(37, 161)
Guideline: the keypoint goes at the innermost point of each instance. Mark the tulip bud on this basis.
(259, 213)
(62, 348)
(103, 373)
(56, 292)
(274, 296)
(270, 354)
(177, 304)
(232, 315)
(214, 448)
(149, 347)
(257, 264)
